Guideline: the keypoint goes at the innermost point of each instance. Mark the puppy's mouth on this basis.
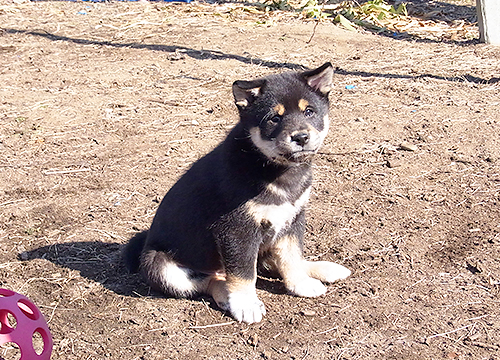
(300, 155)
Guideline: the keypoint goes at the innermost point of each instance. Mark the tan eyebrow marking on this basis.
(303, 104)
(280, 109)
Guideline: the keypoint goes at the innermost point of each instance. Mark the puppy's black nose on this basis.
(301, 138)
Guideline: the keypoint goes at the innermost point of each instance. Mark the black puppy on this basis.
(244, 202)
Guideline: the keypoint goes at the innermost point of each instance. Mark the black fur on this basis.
(133, 250)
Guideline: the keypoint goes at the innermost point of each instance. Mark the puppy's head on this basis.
(286, 115)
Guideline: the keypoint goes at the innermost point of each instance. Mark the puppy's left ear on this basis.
(320, 79)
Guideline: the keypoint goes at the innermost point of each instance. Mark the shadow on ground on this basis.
(461, 78)
(439, 10)
(218, 55)
(193, 53)
(102, 262)
(96, 261)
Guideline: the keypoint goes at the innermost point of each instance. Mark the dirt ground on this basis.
(104, 105)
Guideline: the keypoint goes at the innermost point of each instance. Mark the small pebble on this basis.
(408, 147)
(393, 163)
(253, 340)
(308, 312)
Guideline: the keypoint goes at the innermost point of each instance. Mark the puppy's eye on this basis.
(308, 112)
(275, 119)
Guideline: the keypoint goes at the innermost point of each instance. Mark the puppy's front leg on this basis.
(301, 277)
(288, 260)
(237, 296)
(236, 293)
(243, 302)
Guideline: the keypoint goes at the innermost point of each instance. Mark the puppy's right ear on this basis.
(245, 92)
(320, 79)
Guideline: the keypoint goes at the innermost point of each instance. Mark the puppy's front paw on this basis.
(327, 271)
(307, 287)
(245, 307)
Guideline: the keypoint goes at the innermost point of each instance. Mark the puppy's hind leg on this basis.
(167, 276)
(231, 294)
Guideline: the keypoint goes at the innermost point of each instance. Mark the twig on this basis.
(211, 326)
(65, 171)
(418, 282)
(467, 334)
(11, 202)
(136, 345)
(52, 314)
(327, 331)
(484, 345)
(337, 154)
(159, 329)
(477, 318)
(345, 308)
(314, 32)
(108, 234)
(9, 264)
(142, 22)
(450, 332)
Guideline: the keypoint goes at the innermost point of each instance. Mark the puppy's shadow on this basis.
(270, 282)
(102, 262)
(97, 261)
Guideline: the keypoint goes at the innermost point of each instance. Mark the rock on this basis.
(408, 146)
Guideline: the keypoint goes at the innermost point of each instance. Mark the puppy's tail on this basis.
(166, 275)
(132, 253)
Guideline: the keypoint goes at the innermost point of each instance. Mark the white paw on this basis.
(307, 287)
(245, 307)
(327, 271)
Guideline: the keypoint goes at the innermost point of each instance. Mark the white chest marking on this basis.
(279, 216)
